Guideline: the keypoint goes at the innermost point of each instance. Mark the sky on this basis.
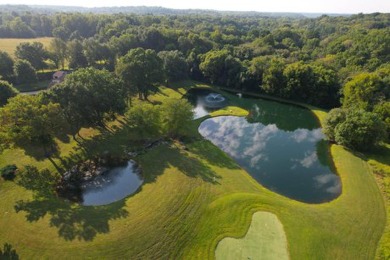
(310, 6)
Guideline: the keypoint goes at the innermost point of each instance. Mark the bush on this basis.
(355, 129)
(8, 172)
(334, 117)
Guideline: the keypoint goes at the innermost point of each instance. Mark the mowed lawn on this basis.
(192, 198)
(9, 44)
(265, 238)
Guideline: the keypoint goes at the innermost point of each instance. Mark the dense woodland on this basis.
(326, 61)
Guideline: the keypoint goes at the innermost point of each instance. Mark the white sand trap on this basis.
(265, 239)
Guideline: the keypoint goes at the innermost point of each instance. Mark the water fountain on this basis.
(214, 100)
(205, 101)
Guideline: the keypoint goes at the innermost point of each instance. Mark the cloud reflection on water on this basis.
(286, 161)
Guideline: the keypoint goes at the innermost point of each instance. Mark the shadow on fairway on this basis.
(73, 221)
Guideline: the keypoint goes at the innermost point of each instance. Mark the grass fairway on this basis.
(265, 240)
(9, 44)
(191, 199)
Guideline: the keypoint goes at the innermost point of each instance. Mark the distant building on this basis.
(58, 77)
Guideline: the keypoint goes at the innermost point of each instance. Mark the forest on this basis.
(326, 61)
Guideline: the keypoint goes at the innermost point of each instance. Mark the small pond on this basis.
(205, 101)
(281, 146)
(111, 186)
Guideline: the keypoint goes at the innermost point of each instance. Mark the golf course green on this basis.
(265, 239)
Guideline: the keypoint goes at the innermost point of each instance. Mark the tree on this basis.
(174, 65)
(355, 128)
(222, 68)
(333, 118)
(313, 84)
(140, 70)
(383, 111)
(76, 55)
(24, 72)
(364, 91)
(274, 80)
(6, 91)
(176, 116)
(6, 65)
(58, 51)
(122, 44)
(28, 120)
(34, 53)
(87, 96)
(144, 118)
(97, 52)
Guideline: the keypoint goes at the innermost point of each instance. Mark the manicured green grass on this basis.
(265, 239)
(379, 161)
(192, 199)
(9, 44)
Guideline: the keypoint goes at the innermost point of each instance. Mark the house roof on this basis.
(59, 74)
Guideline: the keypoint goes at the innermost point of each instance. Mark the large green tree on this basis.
(6, 65)
(333, 118)
(174, 65)
(273, 78)
(141, 70)
(58, 51)
(24, 72)
(34, 52)
(355, 128)
(144, 118)
(29, 120)
(87, 96)
(222, 68)
(313, 84)
(365, 90)
(76, 55)
(6, 91)
(176, 116)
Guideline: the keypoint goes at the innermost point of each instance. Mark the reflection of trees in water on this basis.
(324, 155)
(72, 220)
(110, 177)
(285, 117)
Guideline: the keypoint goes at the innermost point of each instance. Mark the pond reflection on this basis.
(293, 162)
(112, 186)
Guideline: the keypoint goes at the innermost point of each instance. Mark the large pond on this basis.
(111, 186)
(281, 146)
(205, 101)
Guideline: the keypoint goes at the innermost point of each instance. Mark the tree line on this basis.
(325, 61)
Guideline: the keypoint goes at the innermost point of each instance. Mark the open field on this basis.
(9, 44)
(191, 199)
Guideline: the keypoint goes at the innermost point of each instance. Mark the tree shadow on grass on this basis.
(155, 161)
(212, 154)
(73, 221)
(8, 253)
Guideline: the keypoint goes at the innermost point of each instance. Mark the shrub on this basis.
(8, 172)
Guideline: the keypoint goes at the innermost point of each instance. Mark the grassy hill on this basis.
(191, 199)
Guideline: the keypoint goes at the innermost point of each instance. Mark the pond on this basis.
(111, 186)
(205, 101)
(281, 146)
